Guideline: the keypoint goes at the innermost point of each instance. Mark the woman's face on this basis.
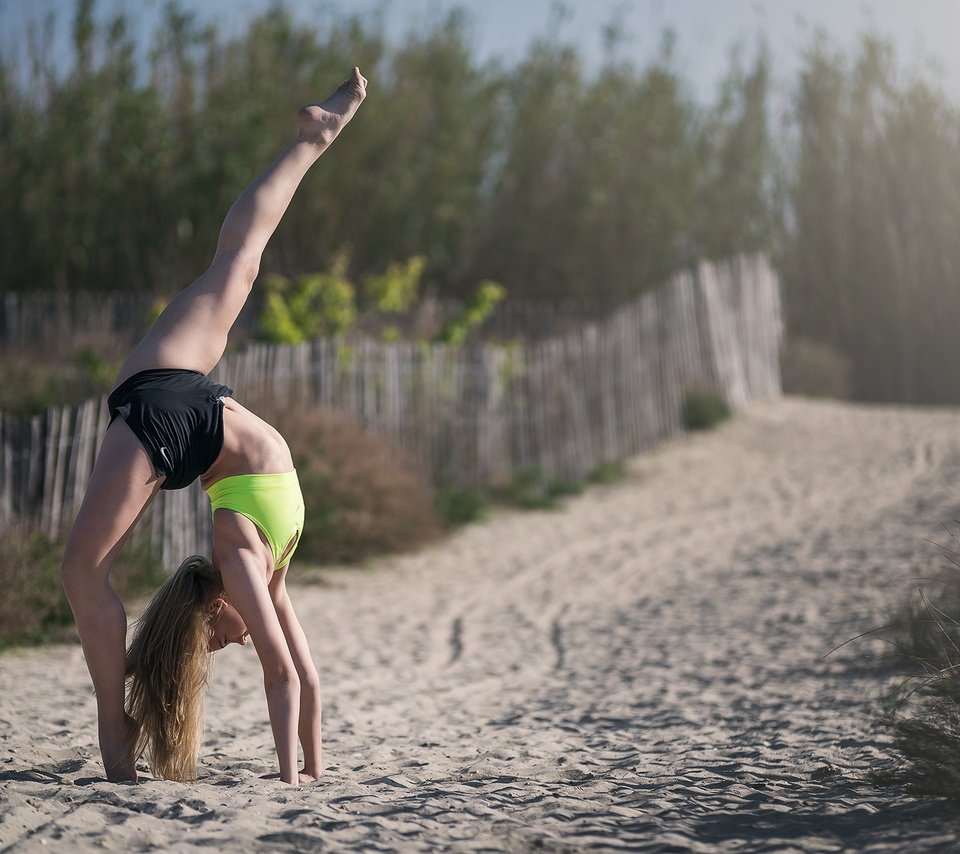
(227, 625)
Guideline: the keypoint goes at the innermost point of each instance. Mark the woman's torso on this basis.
(250, 446)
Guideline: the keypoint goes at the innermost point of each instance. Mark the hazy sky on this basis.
(705, 29)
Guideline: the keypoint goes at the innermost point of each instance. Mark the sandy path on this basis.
(643, 669)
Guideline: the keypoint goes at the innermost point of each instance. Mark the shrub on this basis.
(529, 489)
(702, 410)
(814, 369)
(395, 290)
(309, 306)
(461, 506)
(564, 488)
(607, 472)
(486, 298)
(363, 496)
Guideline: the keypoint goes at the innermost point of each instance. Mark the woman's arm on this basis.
(245, 587)
(310, 705)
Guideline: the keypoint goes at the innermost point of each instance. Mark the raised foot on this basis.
(320, 123)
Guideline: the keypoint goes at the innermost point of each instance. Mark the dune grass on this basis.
(924, 713)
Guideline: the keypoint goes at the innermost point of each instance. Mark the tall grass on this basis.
(924, 633)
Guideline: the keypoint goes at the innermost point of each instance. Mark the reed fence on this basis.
(474, 415)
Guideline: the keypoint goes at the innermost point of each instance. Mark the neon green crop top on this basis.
(273, 502)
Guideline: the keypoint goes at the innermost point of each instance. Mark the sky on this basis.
(924, 32)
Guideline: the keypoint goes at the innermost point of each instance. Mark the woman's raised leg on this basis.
(192, 331)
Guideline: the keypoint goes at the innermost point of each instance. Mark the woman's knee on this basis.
(83, 573)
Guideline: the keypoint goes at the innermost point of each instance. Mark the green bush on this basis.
(529, 489)
(564, 488)
(309, 306)
(461, 506)
(702, 410)
(607, 472)
(394, 291)
(488, 295)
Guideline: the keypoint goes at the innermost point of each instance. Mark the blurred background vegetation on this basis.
(552, 182)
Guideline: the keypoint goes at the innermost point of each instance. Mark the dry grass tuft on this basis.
(925, 713)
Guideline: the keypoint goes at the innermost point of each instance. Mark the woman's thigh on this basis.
(122, 485)
(192, 330)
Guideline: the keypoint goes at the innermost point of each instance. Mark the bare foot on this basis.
(305, 778)
(117, 751)
(320, 123)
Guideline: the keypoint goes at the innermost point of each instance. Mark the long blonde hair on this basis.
(167, 669)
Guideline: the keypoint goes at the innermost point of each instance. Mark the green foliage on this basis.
(309, 306)
(608, 472)
(702, 411)
(101, 372)
(461, 506)
(564, 488)
(552, 181)
(485, 300)
(394, 291)
(546, 179)
(529, 489)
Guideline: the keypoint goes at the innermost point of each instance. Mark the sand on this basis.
(644, 668)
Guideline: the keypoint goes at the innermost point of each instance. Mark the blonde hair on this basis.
(167, 669)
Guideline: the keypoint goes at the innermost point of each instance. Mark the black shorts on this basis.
(178, 417)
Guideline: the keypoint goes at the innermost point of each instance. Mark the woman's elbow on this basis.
(281, 679)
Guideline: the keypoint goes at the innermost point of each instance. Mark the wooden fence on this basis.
(598, 393)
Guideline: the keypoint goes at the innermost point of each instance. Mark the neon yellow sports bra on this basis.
(273, 502)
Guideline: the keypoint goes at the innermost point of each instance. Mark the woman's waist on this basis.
(249, 482)
(250, 447)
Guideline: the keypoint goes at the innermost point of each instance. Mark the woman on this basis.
(170, 425)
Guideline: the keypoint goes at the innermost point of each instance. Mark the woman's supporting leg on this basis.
(122, 485)
(192, 331)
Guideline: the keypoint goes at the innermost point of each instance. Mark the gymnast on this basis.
(170, 425)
